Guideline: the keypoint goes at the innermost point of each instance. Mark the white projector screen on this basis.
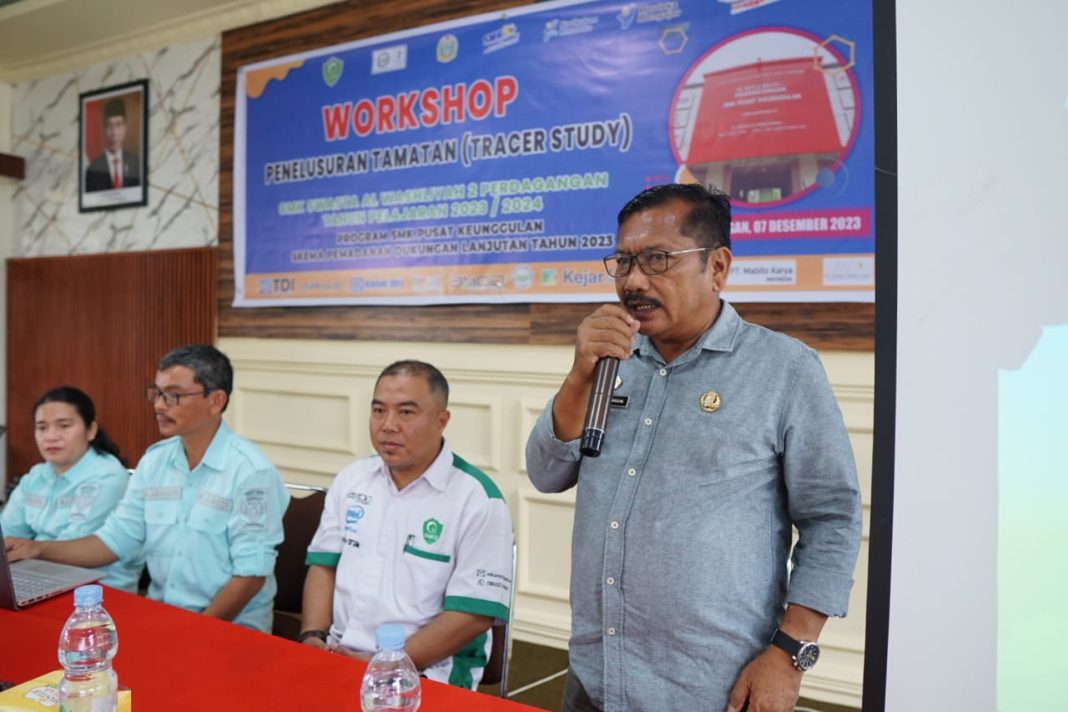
(978, 574)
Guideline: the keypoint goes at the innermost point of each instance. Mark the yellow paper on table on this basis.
(41, 694)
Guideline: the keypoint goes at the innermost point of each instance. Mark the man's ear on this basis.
(218, 400)
(720, 264)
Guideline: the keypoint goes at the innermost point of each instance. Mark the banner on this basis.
(485, 160)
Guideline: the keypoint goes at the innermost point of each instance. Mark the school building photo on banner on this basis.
(113, 160)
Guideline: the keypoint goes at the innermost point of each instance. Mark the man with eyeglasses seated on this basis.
(415, 536)
(721, 437)
(205, 504)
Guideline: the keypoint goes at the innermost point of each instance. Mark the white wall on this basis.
(306, 403)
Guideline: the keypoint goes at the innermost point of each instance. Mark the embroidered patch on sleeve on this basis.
(254, 509)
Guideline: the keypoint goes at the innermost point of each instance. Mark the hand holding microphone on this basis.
(596, 424)
(603, 340)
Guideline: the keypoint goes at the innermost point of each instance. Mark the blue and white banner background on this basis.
(484, 160)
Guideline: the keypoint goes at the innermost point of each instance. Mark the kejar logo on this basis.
(448, 46)
(506, 36)
(626, 16)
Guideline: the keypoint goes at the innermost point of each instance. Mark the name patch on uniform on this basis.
(619, 401)
(163, 493)
(34, 500)
(214, 501)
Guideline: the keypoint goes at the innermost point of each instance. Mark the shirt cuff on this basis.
(121, 545)
(824, 591)
(256, 561)
(563, 450)
(476, 606)
(322, 558)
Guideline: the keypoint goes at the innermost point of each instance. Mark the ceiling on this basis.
(44, 37)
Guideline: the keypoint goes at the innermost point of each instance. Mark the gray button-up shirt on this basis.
(683, 524)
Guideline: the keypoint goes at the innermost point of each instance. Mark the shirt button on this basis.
(610, 580)
(632, 472)
(611, 631)
(648, 421)
(614, 525)
(663, 372)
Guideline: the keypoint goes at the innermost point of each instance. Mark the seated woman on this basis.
(72, 492)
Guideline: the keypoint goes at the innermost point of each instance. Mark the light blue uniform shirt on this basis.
(47, 506)
(683, 524)
(200, 528)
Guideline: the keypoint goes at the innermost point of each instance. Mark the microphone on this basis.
(593, 429)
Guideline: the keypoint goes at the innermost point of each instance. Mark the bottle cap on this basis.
(390, 636)
(88, 595)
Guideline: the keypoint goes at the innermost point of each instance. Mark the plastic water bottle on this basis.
(391, 681)
(87, 645)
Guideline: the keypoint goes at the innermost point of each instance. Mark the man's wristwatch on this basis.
(804, 653)
(304, 635)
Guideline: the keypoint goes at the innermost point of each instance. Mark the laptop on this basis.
(31, 580)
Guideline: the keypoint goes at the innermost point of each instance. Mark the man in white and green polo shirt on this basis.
(415, 536)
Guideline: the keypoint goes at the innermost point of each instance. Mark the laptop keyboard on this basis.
(30, 588)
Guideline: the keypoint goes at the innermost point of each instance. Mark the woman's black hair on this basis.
(86, 411)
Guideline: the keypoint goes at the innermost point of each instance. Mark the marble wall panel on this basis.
(183, 157)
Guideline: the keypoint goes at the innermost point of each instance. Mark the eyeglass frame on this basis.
(640, 259)
(168, 396)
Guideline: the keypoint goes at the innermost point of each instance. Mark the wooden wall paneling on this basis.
(848, 327)
(101, 322)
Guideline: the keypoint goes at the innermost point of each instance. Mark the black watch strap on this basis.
(804, 653)
(785, 642)
(316, 633)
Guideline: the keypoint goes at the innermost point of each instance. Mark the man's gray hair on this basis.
(211, 368)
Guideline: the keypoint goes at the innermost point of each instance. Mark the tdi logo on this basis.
(282, 284)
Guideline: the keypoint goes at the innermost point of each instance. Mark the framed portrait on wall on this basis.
(113, 147)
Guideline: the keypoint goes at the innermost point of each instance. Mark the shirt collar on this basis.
(82, 469)
(215, 455)
(721, 336)
(437, 475)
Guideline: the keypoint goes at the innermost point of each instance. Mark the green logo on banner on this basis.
(332, 70)
(431, 530)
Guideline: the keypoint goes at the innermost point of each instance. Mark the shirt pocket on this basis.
(210, 521)
(160, 517)
(208, 540)
(161, 512)
(424, 575)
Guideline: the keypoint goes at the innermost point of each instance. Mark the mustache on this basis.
(633, 299)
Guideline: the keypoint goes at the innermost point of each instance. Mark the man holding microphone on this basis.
(721, 437)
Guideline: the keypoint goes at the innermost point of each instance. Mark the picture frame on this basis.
(113, 147)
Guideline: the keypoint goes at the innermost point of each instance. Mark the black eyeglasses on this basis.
(649, 261)
(171, 399)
